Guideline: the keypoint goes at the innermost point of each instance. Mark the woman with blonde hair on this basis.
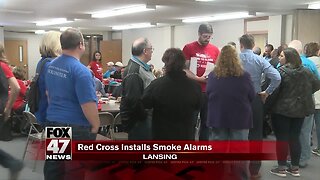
(50, 48)
(230, 93)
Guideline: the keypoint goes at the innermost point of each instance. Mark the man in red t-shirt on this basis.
(203, 53)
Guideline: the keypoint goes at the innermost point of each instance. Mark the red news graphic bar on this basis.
(173, 150)
(173, 156)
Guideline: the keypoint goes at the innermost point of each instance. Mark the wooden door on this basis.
(111, 51)
(17, 53)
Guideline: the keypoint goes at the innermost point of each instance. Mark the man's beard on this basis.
(204, 42)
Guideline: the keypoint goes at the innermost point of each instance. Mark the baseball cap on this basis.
(119, 64)
(110, 64)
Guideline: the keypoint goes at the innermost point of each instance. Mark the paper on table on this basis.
(193, 65)
(209, 69)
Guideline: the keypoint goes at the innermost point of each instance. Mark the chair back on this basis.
(117, 120)
(36, 133)
(32, 120)
(115, 135)
(106, 119)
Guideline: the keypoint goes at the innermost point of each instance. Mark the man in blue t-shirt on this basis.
(71, 96)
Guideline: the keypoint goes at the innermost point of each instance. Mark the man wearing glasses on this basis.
(136, 77)
(202, 53)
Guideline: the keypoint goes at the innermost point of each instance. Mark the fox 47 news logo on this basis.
(58, 143)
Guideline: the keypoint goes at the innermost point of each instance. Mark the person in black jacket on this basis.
(117, 73)
(175, 100)
(292, 103)
(137, 76)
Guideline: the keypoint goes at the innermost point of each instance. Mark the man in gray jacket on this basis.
(137, 76)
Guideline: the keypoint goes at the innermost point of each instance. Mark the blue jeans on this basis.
(57, 169)
(240, 169)
(228, 134)
(317, 123)
(305, 140)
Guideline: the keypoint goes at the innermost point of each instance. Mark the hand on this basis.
(94, 130)
(202, 79)
(7, 113)
(263, 96)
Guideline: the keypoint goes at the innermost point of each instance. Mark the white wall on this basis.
(184, 34)
(289, 27)
(33, 42)
(278, 27)
(106, 35)
(160, 39)
(116, 35)
(226, 31)
(1, 35)
(223, 32)
(260, 25)
(274, 30)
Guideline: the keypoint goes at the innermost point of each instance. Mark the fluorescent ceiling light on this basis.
(315, 5)
(64, 28)
(122, 11)
(205, 0)
(53, 22)
(40, 32)
(217, 17)
(16, 11)
(133, 26)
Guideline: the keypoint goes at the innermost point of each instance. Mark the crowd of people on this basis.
(231, 102)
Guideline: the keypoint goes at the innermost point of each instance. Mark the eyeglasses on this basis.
(151, 48)
(206, 36)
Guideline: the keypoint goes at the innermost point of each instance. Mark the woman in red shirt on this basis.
(14, 165)
(95, 65)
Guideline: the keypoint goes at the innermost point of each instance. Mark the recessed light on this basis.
(133, 26)
(315, 5)
(40, 32)
(205, 0)
(122, 11)
(53, 22)
(64, 28)
(217, 17)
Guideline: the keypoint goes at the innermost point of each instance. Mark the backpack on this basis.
(33, 94)
(4, 89)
